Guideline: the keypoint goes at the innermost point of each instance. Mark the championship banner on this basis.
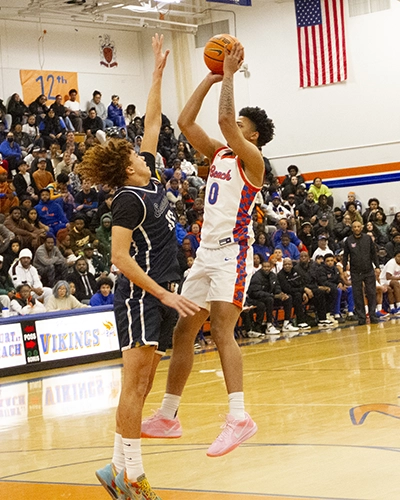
(49, 83)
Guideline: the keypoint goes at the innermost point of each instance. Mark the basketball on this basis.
(214, 52)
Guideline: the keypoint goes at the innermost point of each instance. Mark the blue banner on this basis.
(245, 3)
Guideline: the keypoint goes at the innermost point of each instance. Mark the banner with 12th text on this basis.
(50, 83)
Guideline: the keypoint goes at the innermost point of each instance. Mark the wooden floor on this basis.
(327, 407)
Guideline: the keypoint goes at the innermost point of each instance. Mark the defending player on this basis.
(144, 249)
(218, 279)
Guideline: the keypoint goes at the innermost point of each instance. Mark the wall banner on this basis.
(50, 83)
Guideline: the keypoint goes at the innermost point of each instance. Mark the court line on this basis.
(91, 492)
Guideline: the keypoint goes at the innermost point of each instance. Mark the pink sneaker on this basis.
(234, 433)
(158, 426)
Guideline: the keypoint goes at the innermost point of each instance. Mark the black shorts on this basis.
(141, 318)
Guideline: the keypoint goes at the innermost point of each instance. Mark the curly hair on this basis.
(264, 125)
(107, 163)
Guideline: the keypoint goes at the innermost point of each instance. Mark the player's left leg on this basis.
(238, 426)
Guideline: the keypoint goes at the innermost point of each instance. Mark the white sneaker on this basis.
(304, 326)
(325, 323)
(290, 330)
(272, 331)
(254, 335)
(331, 319)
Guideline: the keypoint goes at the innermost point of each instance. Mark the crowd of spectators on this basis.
(55, 227)
(299, 239)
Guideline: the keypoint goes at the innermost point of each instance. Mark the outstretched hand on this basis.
(184, 306)
(234, 59)
(160, 57)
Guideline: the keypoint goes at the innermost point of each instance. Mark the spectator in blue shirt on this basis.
(115, 112)
(50, 212)
(282, 228)
(104, 296)
(11, 151)
(289, 250)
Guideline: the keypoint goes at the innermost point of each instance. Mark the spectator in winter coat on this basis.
(24, 183)
(79, 233)
(38, 108)
(264, 292)
(292, 283)
(22, 271)
(17, 109)
(24, 303)
(50, 263)
(103, 235)
(316, 296)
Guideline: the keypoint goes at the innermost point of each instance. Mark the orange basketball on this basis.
(214, 52)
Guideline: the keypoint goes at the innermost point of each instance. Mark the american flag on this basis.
(321, 42)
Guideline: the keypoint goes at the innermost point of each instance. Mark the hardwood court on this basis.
(327, 407)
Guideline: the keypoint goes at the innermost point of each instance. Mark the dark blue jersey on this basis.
(146, 211)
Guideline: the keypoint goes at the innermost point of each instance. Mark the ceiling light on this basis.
(141, 8)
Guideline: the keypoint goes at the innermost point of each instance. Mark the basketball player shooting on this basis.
(218, 280)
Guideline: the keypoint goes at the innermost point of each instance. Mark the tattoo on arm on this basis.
(226, 101)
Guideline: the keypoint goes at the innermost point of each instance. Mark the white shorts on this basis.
(220, 274)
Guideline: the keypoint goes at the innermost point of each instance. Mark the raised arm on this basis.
(196, 136)
(240, 143)
(153, 108)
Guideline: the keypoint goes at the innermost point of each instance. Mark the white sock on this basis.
(366, 309)
(397, 304)
(170, 405)
(391, 306)
(378, 307)
(236, 405)
(285, 322)
(133, 458)
(269, 325)
(118, 458)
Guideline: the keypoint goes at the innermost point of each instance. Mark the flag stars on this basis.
(308, 12)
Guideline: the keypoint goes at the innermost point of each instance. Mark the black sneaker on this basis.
(374, 320)
(362, 322)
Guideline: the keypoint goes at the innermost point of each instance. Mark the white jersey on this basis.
(228, 203)
(392, 268)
